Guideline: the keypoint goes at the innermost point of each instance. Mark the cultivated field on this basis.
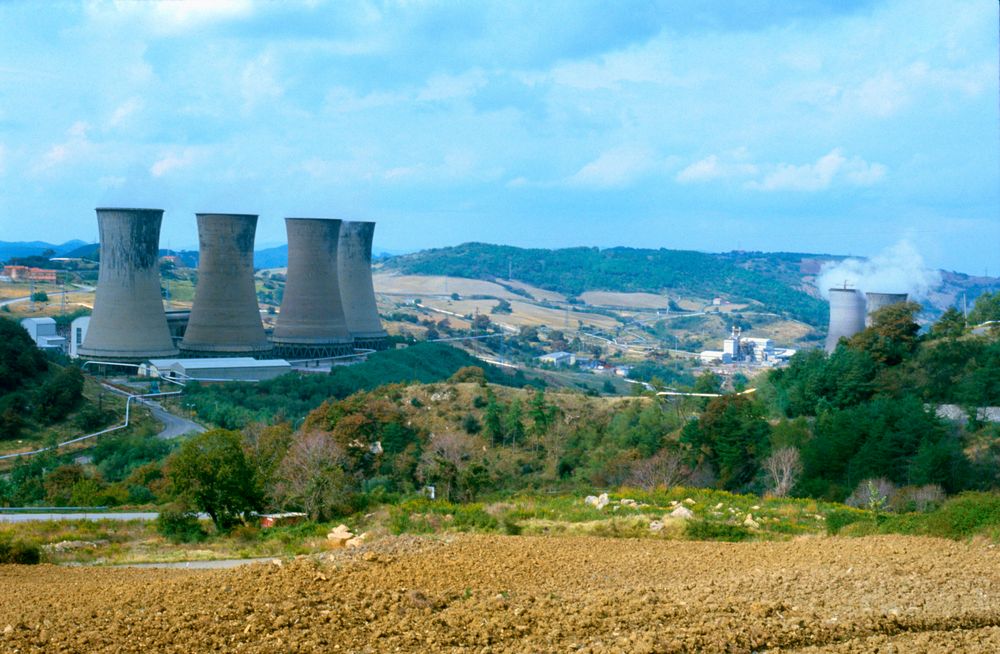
(529, 594)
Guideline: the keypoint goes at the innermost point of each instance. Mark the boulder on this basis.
(690, 502)
(598, 502)
(656, 526)
(682, 512)
(339, 536)
(357, 541)
(750, 522)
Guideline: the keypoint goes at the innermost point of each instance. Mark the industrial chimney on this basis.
(357, 292)
(847, 315)
(225, 317)
(877, 301)
(312, 323)
(128, 323)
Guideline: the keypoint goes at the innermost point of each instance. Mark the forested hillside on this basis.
(772, 281)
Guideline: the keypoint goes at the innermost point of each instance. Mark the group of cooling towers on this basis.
(328, 308)
(851, 312)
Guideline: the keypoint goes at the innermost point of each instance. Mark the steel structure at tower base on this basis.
(378, 343)
(305, 351)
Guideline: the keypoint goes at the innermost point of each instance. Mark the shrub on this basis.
(965, 515)
(705, 530)
(838, 519)
(180, 526)
(19, 552)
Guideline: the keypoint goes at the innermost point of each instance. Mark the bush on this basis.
(180, 526)
(705, 530)
(965, 515)
(19, 552)
(838, 519)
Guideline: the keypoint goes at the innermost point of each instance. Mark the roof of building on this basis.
(221, 362)
(39, 321)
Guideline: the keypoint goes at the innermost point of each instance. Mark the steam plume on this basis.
(897, 269)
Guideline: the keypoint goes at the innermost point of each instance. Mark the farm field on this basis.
(492, 593)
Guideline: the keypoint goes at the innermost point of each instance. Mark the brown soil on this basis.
(523, 594)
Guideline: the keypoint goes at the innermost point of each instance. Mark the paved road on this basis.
(173, 426)
(91, 517)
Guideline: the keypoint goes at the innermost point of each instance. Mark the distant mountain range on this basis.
(10, 249)
(274, 257)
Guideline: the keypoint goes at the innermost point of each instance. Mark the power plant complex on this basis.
(851, 312)
(328, 308)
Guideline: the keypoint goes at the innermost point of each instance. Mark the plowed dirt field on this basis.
(527, 594)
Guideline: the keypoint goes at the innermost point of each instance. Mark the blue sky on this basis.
(796, 125)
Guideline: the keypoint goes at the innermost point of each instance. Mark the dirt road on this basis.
(526, 594)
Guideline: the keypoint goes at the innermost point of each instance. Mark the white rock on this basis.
(682, 512)
(655, 526)
(750, 522)
(690, 502)
(629, 503)
(718, 506)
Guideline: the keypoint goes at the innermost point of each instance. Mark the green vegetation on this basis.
(771, 281)
(291, 397)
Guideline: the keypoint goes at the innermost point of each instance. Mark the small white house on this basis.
(43, 333)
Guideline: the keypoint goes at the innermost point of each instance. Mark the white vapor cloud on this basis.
(897, 269)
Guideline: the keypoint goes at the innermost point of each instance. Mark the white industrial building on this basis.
(221, 369)
(747, 349)
(77, 332)
(43, 333)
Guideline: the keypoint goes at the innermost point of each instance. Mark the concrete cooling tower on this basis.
(225, 317)
(128, 322)
(312, 323)
(847, 315)
(877, 301)
(357, 292)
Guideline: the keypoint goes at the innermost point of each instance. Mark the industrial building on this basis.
(357, 290)
(43, 333)
(217, 369)
(128, 323)
(77, 334)
(747, 350)
(311, 323)
(225, 317)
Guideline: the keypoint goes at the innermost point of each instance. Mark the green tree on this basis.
(493, 419)
(542, 414)
(731, 435)
(951, 324)
(987, 307)
(58, 396)
(892, 336)
(513, 426)
(211, 472)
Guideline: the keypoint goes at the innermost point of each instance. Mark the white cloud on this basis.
(123, 111)
(614, 168)
(259, 81)
(821, 175)
(450, 87)
(172, 161)
(732, 164)
(173, 16)
(73, 148)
